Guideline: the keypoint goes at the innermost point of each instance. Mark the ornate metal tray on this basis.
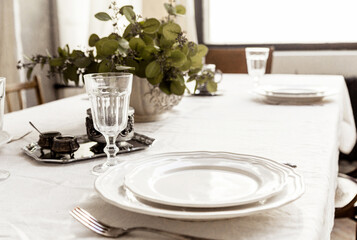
(88, 149)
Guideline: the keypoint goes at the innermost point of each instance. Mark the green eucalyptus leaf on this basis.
(105, 66)
(177, 58)
(148, 52)
(62, 52)
(120, 68)
(106, 47)
(123, 43)
(165, 44)
(192, 48)
(93, 39)
(177, 88)
(82, 62)
(77, 54)
(194, 71)
(165, 87)
(157, 79)
(151, 25)
(161, 28)
(153, 69)
(132, 63)
(103, 16)
(71, 73)
(121, 10)
(56, 62)
(127, 32)
(186, 66)
(211, 86)
(29, 73)
(137, 44)
(179, 78)
(191, 78)
(196, 61)
(148, 38)
(170, 8)
(180, 9)
(171, 31)
(140, 70)
(92, 68)
(129, 14)
(114, 36)
(202, 50)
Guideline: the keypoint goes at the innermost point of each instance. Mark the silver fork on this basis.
(114, 232)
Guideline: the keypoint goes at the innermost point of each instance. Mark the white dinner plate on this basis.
(205, 180)
(292, 94)
(4, 137)
(110, 187)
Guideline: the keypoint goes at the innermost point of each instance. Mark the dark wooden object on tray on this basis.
(19, 87)
(232, 60)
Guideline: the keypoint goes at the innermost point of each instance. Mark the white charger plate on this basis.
(292, 94)
(205, 180)
(111, 189)
(4, 137)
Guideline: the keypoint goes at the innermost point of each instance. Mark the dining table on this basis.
(36, 199)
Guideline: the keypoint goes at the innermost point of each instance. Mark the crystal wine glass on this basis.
(109, 94)
(4, 174)
(256, 63)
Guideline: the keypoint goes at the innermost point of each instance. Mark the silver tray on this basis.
(138, 142)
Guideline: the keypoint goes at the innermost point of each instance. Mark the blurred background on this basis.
(309, 37)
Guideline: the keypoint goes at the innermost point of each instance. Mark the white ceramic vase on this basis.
(149, 102)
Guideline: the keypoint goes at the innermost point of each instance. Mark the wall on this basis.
(316, 62)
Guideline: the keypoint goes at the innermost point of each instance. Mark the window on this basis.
(283, 23)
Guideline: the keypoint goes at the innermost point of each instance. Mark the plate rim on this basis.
(281, 181)
(138, 207)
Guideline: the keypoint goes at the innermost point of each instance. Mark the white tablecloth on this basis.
(35, 200)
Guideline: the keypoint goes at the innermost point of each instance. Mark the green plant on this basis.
(149, 48)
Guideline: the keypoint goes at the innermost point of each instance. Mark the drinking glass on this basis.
(256, 63)
(4, 174)
(109, 94)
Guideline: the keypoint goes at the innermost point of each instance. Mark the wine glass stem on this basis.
(111, 150)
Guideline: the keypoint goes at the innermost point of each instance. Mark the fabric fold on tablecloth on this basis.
(348, 133)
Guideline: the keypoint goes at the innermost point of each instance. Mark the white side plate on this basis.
(110, 188)
(205, 180)
(292, 95)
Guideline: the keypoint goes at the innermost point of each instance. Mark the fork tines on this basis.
(89, 221)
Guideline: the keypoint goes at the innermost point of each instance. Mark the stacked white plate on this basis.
(200, 185)
(292, 94)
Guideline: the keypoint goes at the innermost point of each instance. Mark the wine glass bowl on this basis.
(4, 174)
(109, 94)
(256, 63)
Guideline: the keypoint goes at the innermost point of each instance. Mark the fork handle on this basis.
(167, 233)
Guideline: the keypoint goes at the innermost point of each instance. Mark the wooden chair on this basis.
(17, 88)
(232, 60)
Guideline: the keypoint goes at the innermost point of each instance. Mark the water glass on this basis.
(3, 173)
(2, 101)
(109, 94)
(256, 63)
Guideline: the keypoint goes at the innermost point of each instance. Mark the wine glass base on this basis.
(99, 169)
(4, 174)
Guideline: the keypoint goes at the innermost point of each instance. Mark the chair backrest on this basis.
(18, 87)
(232, 60)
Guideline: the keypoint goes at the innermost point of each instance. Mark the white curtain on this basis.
(8, 42)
